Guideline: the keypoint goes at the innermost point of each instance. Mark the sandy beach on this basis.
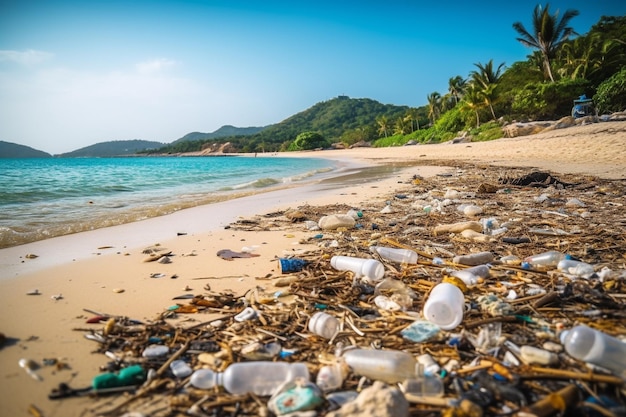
(80, 274)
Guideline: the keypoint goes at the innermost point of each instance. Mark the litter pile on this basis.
(460, 295)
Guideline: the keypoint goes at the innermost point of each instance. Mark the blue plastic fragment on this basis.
(420, 331)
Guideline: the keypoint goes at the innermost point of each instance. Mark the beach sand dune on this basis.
(81, 275)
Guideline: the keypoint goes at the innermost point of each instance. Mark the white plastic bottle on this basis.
(597, 348)
(400, 255)
(324, 325)
(389, 366)
(445, 306)
(257, 377)
(368, 268)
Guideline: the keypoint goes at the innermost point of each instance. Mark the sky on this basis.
(75, 73)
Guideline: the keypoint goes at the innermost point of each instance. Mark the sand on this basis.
(85, 270)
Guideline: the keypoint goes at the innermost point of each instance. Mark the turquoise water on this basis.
(43, 198)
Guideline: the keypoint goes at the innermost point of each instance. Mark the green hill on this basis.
(113, 148)
(13, 150)
(333, 119)
(222, 132)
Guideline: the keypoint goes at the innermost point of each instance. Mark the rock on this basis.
(295, 216)
(523, 129)
(379, 400)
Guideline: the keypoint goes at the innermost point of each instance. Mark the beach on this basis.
(104, 271)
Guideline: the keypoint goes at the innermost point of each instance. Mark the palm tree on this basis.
(486, 80)
(456, 87)
(383, 125)
(473, 101)
(400, 127)
(549, 32)
(412, 116)
(434, 106)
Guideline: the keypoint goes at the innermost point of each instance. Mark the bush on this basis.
(611, 94)
(548, 101)
(307, 141)
(488, 131)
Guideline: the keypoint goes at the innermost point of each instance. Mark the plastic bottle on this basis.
(471, 275)
(324, 325)
(335, 221)
(396, 291)
(423, 386)
(473, 259)
(576, 268)
(429, 365)
(533, 355)
(368, 268)
(257, 377)
(330, 377)
(548, 259)
(445, 306)
(389, 366)
(400, 255)
(595, 347)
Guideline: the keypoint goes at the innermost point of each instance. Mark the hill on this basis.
(113, 148)
(13, 150)
(333, 119)
(222, 132)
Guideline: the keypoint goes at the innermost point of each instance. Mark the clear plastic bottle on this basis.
(257, 377)
(548, 259)
(576, 268)
(423, 386)
(389, 366)
(597, 348)
(400, 255)
(471, 275)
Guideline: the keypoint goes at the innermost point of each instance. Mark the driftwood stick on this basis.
(563, 374)
(556, 402)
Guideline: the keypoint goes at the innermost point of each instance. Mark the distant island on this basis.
(14, 150)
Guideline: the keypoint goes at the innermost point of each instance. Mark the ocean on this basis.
(48, 197)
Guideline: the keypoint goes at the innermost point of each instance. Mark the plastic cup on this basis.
(445, 306)
(369, 268)
(288, 265)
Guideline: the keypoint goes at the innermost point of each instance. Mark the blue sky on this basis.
(74, 73)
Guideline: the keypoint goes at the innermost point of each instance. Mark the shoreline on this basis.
(39, 327)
